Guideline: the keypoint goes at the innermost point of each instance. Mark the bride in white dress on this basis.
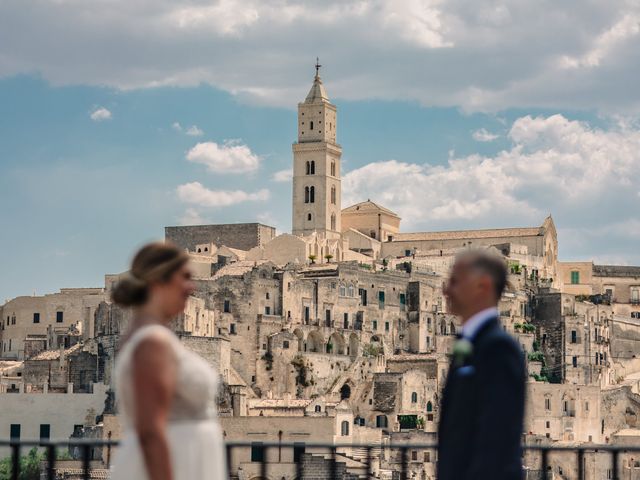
(166, 393)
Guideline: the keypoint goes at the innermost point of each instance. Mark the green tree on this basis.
(29, 466)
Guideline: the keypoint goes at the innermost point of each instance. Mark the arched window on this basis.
(351, 291)
(309, 217)
(414, 397)
(333, 195)
(343, 290)
(452, 329)
(308, 168)
(312, 194)
(318, 409)
(429, 407)
(333, 169)
(333, 221)
(313, 167)
(345, 392)
(311, 125)
(345, 429)
(306, 194)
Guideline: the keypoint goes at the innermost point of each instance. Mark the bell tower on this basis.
(316, 166)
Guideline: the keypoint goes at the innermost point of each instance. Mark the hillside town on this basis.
(338, 333)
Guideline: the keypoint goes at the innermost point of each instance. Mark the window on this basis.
(306, 194)
(313, 167)
(548, 424)
(14, 431)
(227, 306)
(574, 336)
(351, 291)
(306, 314)
(363, 296)
(547, 404)
(381, 299)
(45, 431)
(429, 407)
(267, 295)
(285, 344)
(407, 253)
(575, 362)
(344, 430)
(414, 397)
(36, 318)
(381, 421)
(575, 277)
(327, 317)
(427, 457)
(386, 326)
(374, 325)
(308, 217)
(342, 290)
(298, 451)
(257, 452)
(13, 320)
(635, 295)
(318, 409)
(232, 328)
(333, 195)
(312, 194)
(59, 317)
(414, 455)
(586, 406)
(346, 320)
(333, 169)
(333, 221)
(311, 125)
(267, 310)
(403, 302)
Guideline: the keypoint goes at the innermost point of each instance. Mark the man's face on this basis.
(462, 288)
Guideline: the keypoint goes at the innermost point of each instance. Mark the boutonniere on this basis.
(462, 351)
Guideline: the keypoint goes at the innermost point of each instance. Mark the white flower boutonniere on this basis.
(462, 351)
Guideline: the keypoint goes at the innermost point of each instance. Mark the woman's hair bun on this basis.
(130, 291)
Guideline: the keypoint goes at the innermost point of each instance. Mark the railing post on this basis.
(333, 463)
(228, 449)
(369, 469)
(263, 463)
(51, 464)
(15, 461)
(405, 463)
(614, 461)
(580, 464)
(86, 462)
(545, 463)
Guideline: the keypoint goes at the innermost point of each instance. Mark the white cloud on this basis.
(100, 114)
(556, 165)
(194, 131)
(196, 194)
(230, 157)
(283, 175)
(191, 216)
(483, 135)
(495, 55)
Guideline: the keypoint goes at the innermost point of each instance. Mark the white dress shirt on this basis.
(475, 323)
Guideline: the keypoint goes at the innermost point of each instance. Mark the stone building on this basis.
(46, 316)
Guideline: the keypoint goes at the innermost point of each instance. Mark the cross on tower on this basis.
(318, 67)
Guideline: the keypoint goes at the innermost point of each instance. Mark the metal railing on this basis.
(396, 454)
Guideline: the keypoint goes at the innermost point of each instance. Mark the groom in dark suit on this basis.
(482, 409)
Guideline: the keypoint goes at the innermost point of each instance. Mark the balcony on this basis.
(330, 461)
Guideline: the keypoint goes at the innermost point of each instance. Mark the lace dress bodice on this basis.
(196, 381)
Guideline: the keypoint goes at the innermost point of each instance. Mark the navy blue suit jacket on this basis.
(482, 412)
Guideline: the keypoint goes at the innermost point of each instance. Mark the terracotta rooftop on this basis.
(462, 234)
(616, 271)
(55, 354)
(368, 206)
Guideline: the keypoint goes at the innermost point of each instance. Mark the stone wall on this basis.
(243, 236)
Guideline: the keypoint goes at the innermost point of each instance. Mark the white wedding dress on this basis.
(195, 439)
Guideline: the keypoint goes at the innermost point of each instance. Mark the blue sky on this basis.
(95, 144)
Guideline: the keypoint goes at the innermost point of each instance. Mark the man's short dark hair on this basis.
(491, 265)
